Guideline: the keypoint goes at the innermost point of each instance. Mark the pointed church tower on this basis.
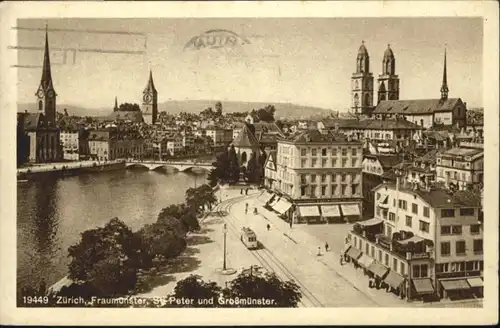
(444, 86)
(150, 101)
(115, 109)
(46, 94)
(388, 81)
(362, 83)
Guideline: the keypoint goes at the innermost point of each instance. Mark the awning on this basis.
(475, 282)
(265, 197)
(414, 239)
(353, 252)
(365, 260)
(423, 286)
(455, 284)
(370, 222)
(275, 201)
(311, 210)
(282, 206)
(394, 279)
(350, 209)
(377, 269)
(331, 211)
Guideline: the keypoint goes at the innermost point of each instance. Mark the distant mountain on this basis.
(283, 110)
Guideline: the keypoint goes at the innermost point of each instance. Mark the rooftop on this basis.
(372, 124)
(459, 151)
(245, 139)
(314, 136)
(442, 198)
(416, 106)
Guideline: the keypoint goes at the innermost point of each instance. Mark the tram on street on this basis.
(249, 238)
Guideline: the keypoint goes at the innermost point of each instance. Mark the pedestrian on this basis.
(268, 227)
(246, 191)
(241, 191)
(291, 223)
(341, 260)
(319, 251)
(326, 247)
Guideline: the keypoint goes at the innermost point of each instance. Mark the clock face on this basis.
(40, 93)
(50, 94)
(147, 98)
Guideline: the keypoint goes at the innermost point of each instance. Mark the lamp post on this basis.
(225, 233)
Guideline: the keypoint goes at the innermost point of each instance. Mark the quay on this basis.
(69, 168)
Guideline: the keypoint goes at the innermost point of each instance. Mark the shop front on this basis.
(476, 286)
(283, 208)
(455, 289)
(309, 213)
(331, 213)
(350, 212)
(422, 288)
(394, 282)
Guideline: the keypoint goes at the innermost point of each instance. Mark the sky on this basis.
(306, 61)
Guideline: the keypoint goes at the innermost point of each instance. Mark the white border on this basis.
(11, 11)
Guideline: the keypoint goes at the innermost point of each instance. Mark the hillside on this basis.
(283, 110)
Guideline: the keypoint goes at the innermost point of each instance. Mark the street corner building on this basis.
(315, 177)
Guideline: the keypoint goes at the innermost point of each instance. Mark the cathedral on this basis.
(442, 111)
(40, 128)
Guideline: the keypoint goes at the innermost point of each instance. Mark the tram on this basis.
(249, 238)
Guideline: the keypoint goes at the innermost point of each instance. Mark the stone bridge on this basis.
(180, 166)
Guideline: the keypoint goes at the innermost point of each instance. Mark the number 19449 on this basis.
(35, 299)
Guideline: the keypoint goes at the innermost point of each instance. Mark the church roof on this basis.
(245, 139)
(372, 124)
(150, 87)
(388, 54)
(46, 80)
(267, 127)
(362, 50)
(416, 106)
(31, 121)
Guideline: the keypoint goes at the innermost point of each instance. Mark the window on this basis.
(478, 246)
(334, 162)
(323, 152)
(424, 226)
(386, 260)
(392, 217)
(344, 162)
(302, 191)
(313, 178)
(408, 221)
(344, 151)
(344, 177)
(334, 189)
(466, 211)
(344, 190)
(314, 162)
(313, 191)
(474, 229)
(402, 268)
(379, 255)
(456, 230)
(426, 212)
(354, 162)
(324, 162)
(354, 152)
(445, 248)
(303, 162)
(394, 202)
(367, 248)
(460, 247)
(448, 213)
(313, 152)
(323, 190)
(334, 151)
(354, 190)
(395, 264)
(373, 251)
(334, 177)
(402, 204)
(414, 208)
(360, 244)
(303, 152)
(445, 230)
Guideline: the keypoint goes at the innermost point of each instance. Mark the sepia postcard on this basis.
(256, 162)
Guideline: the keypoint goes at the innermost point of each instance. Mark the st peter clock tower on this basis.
(46, 94)
(150, 102)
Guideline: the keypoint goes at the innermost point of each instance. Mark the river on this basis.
(51, 213)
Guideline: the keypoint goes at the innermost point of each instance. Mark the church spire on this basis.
(46, 81)
(444, 86)
(150, 87)
(115, 109)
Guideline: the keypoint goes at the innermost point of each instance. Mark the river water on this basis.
(51, 213)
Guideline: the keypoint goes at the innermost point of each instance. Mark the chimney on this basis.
(336, 127)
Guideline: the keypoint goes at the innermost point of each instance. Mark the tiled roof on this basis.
(388, 161)
(460, 151)
(269, 127)
(313, 136)
(442, 198)
(399, 124)
(245, 139)
(133, 116)
(416, 106)
(31, 121)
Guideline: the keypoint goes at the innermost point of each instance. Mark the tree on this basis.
(218, 109)
(185, 218)
(201, 197)
(161, 240)
(107, 259)
(265, 285)
(221, 169)
(126, 107)
(266, 114)
(252, 168)
(234, 167)
(193, 287)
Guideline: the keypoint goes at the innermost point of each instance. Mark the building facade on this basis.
(461, 167)
(320, 175)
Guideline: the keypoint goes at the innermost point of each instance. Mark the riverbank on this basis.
(68, 168)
